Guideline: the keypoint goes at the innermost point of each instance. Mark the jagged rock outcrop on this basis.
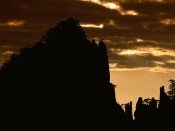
(155, 114)
(63, 81)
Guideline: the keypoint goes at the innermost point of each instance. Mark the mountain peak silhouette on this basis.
(65, 31)
(62, 81)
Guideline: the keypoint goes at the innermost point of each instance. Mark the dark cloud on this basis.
(151, 9)
(154, 26)
(140, 61)
(134, 61)
(169, 65)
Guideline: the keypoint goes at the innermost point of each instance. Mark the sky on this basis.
(139, 35)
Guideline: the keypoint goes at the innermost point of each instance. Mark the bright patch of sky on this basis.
(151, 50)
(168, 21)
(8, 52)
(115, 6)
(13, 23)
(113, 67)
(92, 25)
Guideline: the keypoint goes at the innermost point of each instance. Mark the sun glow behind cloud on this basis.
(109, 5)
(151, 50)
(132, 52)
(113, 67)
(8, 52)
(168, 21)
(92, 25)
(129, 12)
(13, 23)
(159, 64)
(114, 6)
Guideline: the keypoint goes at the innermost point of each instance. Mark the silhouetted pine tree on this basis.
(171, 92)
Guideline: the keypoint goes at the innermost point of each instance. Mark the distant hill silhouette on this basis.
(61, 82)
(153, 114)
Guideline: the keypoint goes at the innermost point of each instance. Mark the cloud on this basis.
(91, 25)
(8, 52)
(141, 60)
(139, 26)
(13, 23)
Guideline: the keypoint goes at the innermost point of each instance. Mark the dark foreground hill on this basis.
(61, 82)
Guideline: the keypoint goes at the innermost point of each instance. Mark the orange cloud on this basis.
(13, 23)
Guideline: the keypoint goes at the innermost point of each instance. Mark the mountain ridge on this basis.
(63, 79)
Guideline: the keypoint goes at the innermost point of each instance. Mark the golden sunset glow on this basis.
(159, 52)
(8, 52)
(142, 51)
(168, 21)
(159, 0)
(139, 40)
(94, 1)
(114, 6)
(158, 63)
(139, 36)
(13, 23)
(92, 25)
(111, 6)
(160, 69)
(113, 67)
(132, 52)
(130, 12)
(170, 61)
